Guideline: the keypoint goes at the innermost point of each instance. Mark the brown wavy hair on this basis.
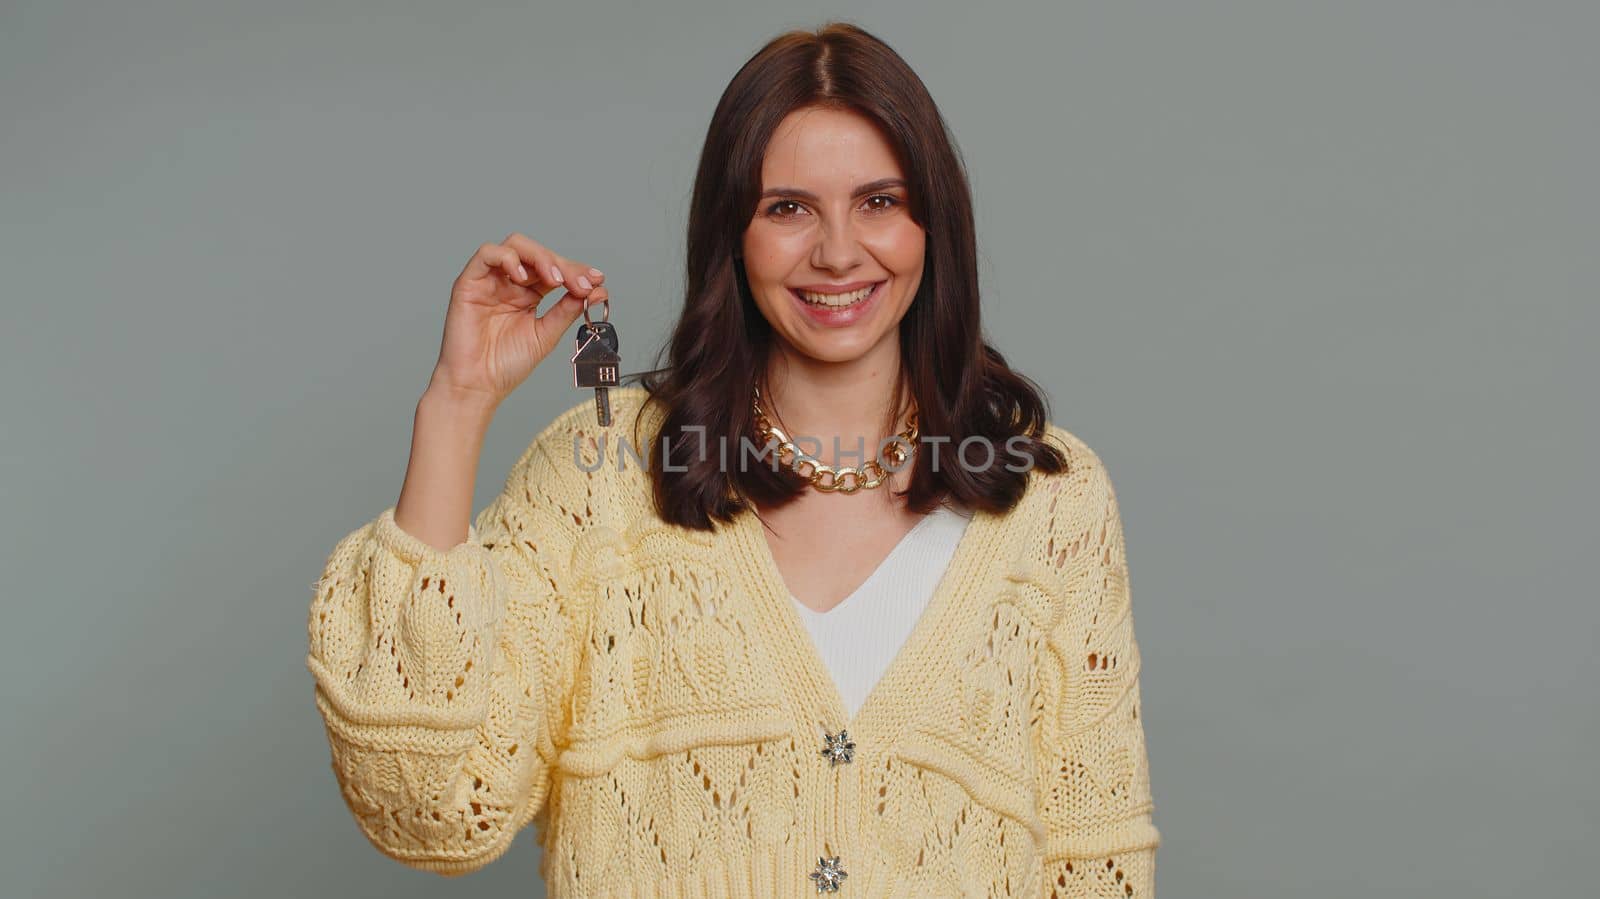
(962, 386)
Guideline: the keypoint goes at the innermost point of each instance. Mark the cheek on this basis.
(770, 256)
(901, 248)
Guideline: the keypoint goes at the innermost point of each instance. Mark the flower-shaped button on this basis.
(837, 748)
(828, 874)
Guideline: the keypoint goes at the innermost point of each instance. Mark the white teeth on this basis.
(836, 299)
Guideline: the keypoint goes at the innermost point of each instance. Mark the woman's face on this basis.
(832, 255)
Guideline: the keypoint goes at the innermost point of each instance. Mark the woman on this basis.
(713, 674)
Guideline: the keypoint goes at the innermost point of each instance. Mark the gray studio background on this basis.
(1317, 281)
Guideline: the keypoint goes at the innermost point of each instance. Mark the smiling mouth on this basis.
(836, 300)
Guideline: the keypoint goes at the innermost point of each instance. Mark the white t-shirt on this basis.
(859, 637)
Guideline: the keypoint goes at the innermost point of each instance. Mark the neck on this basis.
(852, 401)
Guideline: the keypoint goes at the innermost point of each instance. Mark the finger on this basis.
(578, 279)
(576, 275)
(511, 265)
(550, 269)
(498, 260)
(538, 260)
(486, 259)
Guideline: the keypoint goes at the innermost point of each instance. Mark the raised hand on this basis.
(494, 335)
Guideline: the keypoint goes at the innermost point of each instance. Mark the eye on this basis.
(779, 209)
(773, 210)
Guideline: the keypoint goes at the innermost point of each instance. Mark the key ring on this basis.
(605, 318)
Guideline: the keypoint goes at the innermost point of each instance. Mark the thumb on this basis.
(549, 328)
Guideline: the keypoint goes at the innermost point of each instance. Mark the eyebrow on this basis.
(869, 187)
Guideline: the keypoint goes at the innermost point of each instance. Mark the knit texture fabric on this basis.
(648, 697)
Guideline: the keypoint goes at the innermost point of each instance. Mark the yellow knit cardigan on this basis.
(647, 696)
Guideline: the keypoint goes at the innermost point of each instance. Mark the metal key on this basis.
(596, 363)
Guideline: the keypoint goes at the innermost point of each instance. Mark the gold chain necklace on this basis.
(844, 479)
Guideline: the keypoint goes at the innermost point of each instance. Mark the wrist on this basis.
(457, 404)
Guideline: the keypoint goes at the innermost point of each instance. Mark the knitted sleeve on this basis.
(440, 675)
(1094, 771)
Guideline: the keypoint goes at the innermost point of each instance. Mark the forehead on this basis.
(827, 150)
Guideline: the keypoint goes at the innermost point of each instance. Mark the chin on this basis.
(835, 350)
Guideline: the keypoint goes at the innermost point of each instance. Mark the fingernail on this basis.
(596, 272)
(555, 275)
(522, 272)
(583, 282)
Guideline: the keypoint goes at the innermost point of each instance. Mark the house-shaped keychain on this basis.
(595, 364)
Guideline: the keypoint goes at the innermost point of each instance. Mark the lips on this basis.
(842, 316)
(835, 298)
(836, 288)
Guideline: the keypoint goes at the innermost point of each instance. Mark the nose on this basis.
(836, 248)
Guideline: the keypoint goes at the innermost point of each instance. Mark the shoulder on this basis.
(1062, 512)
(565, 483)
(574, 464)
(576, 429)
(1077, 451)
(1073, 543)
(1084, 476)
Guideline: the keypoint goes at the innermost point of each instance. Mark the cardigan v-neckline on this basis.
(883, 564)
(768, 587)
